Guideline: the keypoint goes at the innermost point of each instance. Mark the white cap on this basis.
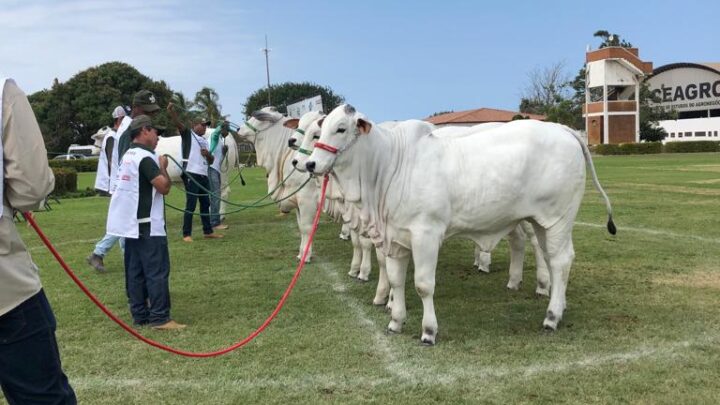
(118, 112)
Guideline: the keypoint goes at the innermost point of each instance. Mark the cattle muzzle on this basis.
(310, 166)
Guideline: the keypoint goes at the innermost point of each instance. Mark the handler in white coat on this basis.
(137, 213)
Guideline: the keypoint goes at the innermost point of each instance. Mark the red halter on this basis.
(326, 147)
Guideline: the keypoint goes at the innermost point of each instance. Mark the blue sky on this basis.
(391, 60)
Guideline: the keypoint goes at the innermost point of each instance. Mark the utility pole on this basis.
(267, 68)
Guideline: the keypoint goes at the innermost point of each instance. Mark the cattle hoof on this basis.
(542, 292)
(379, 302)
(362, 279)
(483, 270)
(353, 274)
(514, 287)
(394, 327)
(427, 342)
(344, 237)
(550, 325)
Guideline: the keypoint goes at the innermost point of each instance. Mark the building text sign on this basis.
(686, 89)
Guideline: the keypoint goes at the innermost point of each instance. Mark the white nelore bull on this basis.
(361, 262)
(266, 131)
(418, 189)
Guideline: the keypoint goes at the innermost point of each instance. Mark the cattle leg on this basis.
(357, 254)
(543, 275)
(345, 232)
(304, 220)
(482, 259)
(383, 286)
(366, 262)
(425, 249)
(559, 254)
(516, 240)
(396, 271)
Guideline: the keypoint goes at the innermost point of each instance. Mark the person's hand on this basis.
(163, 162)
(204, 152)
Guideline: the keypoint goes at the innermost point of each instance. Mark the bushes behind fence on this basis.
(80, 165)
(65, 180)
(657, 147)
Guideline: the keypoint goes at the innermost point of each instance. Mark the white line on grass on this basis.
(454, 376)
(393, 365)
(58, 244)
(654, 232)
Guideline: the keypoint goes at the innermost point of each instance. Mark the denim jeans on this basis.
(106, 243)
(30, 369)
(191, 200)
(147, 278)
(215, 188)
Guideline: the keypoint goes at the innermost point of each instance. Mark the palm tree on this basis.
(184, 106)
(206, 101)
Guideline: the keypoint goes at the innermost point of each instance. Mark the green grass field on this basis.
(642, 323)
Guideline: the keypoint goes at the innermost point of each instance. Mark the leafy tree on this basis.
(207, 103)
(288, 93)
(441, 113)
(650, 115)
(71, 112)
(611, 39)
(548, 93)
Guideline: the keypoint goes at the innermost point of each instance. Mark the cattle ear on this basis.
(320, 122)
(292, 123)
(364, 126)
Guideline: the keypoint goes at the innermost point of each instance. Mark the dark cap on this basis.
(140, 122)
(145, 100)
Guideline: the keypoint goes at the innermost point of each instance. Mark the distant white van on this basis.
(85, 150)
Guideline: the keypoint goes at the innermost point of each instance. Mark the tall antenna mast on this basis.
(267, 68)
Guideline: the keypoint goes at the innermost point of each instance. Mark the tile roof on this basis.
(479, 116)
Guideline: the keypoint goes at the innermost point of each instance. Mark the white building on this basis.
(693, 90)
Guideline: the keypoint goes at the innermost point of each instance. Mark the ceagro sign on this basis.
(686, 89)
(296, 110)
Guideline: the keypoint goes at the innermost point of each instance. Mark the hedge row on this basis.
(657, 147)
(692, 147)
(80, 165)
(65, 181)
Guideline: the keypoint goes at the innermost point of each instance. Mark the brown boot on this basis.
(96, 262)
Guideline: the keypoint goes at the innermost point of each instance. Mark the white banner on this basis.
(296, 110)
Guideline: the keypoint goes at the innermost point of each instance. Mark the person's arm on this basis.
(215, 136)
(209, 158)
(109, 145)
(174, 118)
(28, 178)
(161, 181)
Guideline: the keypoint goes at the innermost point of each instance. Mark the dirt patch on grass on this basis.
(669, 189)
(709, 181)
(701, 168)
(698, 279)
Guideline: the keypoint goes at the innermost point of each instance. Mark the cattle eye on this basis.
(341, 130)
(316, 136)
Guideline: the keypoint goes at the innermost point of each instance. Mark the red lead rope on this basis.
(161, 346)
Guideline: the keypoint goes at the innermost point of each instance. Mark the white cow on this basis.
(360, 266)
(266, 130)
(417, 189)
